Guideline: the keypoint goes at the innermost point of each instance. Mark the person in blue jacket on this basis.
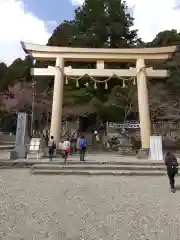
(82, 147)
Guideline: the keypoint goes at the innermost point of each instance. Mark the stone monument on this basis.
(20, 150)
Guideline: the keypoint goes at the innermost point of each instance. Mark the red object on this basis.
(68, 150)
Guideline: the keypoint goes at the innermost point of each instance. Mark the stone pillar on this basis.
(144, 117)
(57, 100)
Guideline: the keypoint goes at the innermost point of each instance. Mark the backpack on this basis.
(175, 165)
(175, 162)
(82, 144)
(53, 145)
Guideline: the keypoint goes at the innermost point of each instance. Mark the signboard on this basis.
(156, 152)
(35, 144)
(123, 125)
(21, 129)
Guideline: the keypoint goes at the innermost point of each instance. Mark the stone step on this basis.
(7, 147)
(86, 166)
(98, 172)
(74, 162)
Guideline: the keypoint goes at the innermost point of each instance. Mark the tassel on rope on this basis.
(95, 85)
(106, 86)
(124, 85)
(134, 82)
(34, 62)
(66, 81)
(77, 84)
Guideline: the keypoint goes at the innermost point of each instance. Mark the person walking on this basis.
(67, 149)
(52, 148)
(46, 138)
(77, 144)
(73, 143)
(96, 136)
(172, 169)
(82, 147)
(61, 148)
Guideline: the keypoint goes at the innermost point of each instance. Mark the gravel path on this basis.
(89, 208)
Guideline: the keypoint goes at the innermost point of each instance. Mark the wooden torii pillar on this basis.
(56, 115)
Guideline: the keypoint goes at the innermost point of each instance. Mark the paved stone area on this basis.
(89, 208)
(101, 157)
(5, 155)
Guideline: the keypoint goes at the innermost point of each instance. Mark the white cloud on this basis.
(77, 2)
(17, 25)
(152, 16)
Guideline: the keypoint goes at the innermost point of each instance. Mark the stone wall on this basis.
(167, 129)
(170, 132)
(7, 138)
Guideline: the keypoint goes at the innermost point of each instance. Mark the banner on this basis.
(123, 125)
(35, 144)
(156, 152)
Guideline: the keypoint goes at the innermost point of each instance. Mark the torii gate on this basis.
(68, 54)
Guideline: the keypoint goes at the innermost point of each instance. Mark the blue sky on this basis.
(51, 10)
(30, 21)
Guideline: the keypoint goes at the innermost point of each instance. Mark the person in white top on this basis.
(61, 148)
(52, 148)
(96, 134)
(66, 144)
(66, 148)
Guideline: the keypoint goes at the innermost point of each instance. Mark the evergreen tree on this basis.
(105, 23)
(97, 24)
(166, 38)
(64, 35)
